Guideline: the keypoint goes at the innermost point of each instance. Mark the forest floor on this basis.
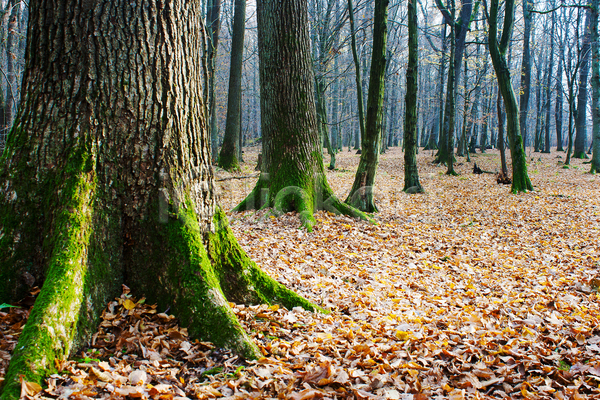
(465, 291)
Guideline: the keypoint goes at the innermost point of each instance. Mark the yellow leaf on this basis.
(128, 304)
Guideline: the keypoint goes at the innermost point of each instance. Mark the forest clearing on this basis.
(465, 291)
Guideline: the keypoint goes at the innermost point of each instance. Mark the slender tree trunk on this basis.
(595, 164)
(548, 87)
(125, 193)
(436, 137)
(450, 113)
(230, 151)
(457, 49)
(359, 91)
(292, 176)
(538, 108)
(213, 25)
(501, 146)
(520, 179)
(12, 42)
(361, 194)
(584, 69)
(525, 68)
(559, 103)
(411, 172)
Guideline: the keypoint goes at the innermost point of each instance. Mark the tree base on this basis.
(201, 273)
(304, 200)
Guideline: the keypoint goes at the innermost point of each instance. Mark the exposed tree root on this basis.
(313, 196)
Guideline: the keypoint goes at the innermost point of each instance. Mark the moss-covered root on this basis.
(303, 200)
(198, 299)
(52, 328)
(243, 281)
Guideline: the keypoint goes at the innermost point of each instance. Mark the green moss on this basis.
(52, 326)
(242, 280)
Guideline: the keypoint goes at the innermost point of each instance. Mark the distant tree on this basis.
(292, 175)
(595, 164)
(213, 26)
(229, 158)
(525, 68)
(361, 194)
(582, 95)
(498, 48)
(106, 180)
(411, 172)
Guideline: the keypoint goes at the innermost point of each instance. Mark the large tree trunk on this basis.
(411, 172)
(582, 96)
(104, 182)
(520, 179)
(292, 177)
(228, 158)
(361, 194)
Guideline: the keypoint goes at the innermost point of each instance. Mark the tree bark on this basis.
(559, 102)
(104, 182)
(361, 194)
(292, 176)
(228, 158)
(520, 179)
(411, 172)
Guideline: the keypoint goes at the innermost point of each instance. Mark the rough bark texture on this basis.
(361, 194)
(228, 157)
(582, 96)
(411, 172)
(292, 176)
(520, 179)
(106, 180)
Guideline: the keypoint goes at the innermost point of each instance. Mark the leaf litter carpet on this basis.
(464, 292)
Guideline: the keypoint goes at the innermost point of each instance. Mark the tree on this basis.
(582, 96)
(525, 68)
(520, 179)
(595, 164)
(292, 175)
(230, 151)
(411, 173)
(103, 183)
(458, 32)
(361, 194)
(213, 26)
(359, 92)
